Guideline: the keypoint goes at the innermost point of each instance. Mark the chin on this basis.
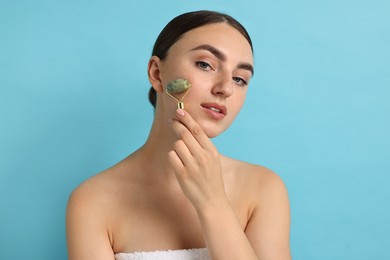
(210, 127)
(213, 131)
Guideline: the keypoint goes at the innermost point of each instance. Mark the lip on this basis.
(215, 114)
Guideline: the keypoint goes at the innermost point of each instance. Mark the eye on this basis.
(240, 81)
(203, 65)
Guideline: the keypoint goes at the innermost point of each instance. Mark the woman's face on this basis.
(218, 62)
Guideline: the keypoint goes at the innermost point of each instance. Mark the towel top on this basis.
(181, 254)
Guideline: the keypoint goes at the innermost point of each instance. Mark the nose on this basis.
(223, 86)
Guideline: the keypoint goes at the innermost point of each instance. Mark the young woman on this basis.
(177, 197)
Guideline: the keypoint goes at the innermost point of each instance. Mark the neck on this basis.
(154, 153)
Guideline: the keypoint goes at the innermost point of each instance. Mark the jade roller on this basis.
(178, 86)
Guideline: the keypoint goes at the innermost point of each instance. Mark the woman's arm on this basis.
(197, 166)
(86, 233)
(268, 229)
(267, 233)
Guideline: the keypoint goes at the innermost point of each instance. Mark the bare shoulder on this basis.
(255, 178)
(268, 208)
(88, 218)
(96, 188)
(92, 199)
(102, 188)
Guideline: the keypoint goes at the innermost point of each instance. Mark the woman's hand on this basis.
(196, 163)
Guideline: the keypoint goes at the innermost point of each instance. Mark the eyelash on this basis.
(241, 81)
(205, 66)
(201, 65)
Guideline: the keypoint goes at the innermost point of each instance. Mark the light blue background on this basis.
(73, 101)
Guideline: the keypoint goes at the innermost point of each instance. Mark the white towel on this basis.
(182, 254)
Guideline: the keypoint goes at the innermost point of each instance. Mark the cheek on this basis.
(239, 99)
(198, 90)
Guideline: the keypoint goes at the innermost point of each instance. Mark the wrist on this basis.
(214, 211)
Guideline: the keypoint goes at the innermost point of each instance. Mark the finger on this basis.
(175, 161)
(183, 153)
(187, 137)
(195, 129)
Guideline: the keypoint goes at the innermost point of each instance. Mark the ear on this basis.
(154, 73)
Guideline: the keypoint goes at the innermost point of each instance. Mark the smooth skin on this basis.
(177, 191)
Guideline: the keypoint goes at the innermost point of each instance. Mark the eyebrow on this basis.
(219, 55)
(246, 66)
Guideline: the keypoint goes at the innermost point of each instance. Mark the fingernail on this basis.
(180, 112)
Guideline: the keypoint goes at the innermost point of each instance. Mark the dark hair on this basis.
(183, 23)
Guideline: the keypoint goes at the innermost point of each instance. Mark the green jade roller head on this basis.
(178, 86)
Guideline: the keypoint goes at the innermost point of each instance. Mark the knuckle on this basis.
(204, 160)
(212, 156)
(196, 130)
(179, 131)
(185, 134)
(215, 154)
(172, 156)
(177, 145)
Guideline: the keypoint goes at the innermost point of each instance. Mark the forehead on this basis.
(219, 35)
